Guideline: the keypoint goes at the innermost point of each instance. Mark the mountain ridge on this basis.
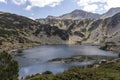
(76, 14)
(110, 12)
(21, 32)
(81, 14)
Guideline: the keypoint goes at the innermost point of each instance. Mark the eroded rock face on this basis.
(89, 30)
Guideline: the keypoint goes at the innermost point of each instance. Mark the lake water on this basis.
(35, 60)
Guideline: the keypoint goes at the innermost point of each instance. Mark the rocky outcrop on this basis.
(72, 59)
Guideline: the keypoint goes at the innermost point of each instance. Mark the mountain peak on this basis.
(114, 8)
(50, 17)
(79, 14)
(77, 10)
(111, 12)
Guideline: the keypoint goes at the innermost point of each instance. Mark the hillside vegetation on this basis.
(8, 67)
(21, 32)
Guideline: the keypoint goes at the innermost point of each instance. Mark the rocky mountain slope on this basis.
(20, 32)
(111, 12)
(108, 30)
(89, 30)
(79, 14)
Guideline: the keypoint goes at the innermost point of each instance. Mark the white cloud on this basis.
(92, 8)
(54, 4)
(43, 3)
(19, 2)
(93, 5)
(112, 3)
(28, 7)
(3, 1)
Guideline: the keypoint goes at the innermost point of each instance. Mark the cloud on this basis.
(42, 3)
(3, 1)
(28, 7)
(112, 3)
(19, 2)
(95, 5)
(92, 8)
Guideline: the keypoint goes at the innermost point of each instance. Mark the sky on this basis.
(42, 8)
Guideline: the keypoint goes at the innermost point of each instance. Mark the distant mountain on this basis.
(110, 12)
(76, 14)
(51, 17)
(79, 14)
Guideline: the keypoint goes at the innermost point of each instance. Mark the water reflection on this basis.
(35, 60)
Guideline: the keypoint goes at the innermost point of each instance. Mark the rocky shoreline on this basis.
(70, 59)
(111, 46)
(81, 58)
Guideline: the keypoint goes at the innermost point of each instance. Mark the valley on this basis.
(58, 43)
